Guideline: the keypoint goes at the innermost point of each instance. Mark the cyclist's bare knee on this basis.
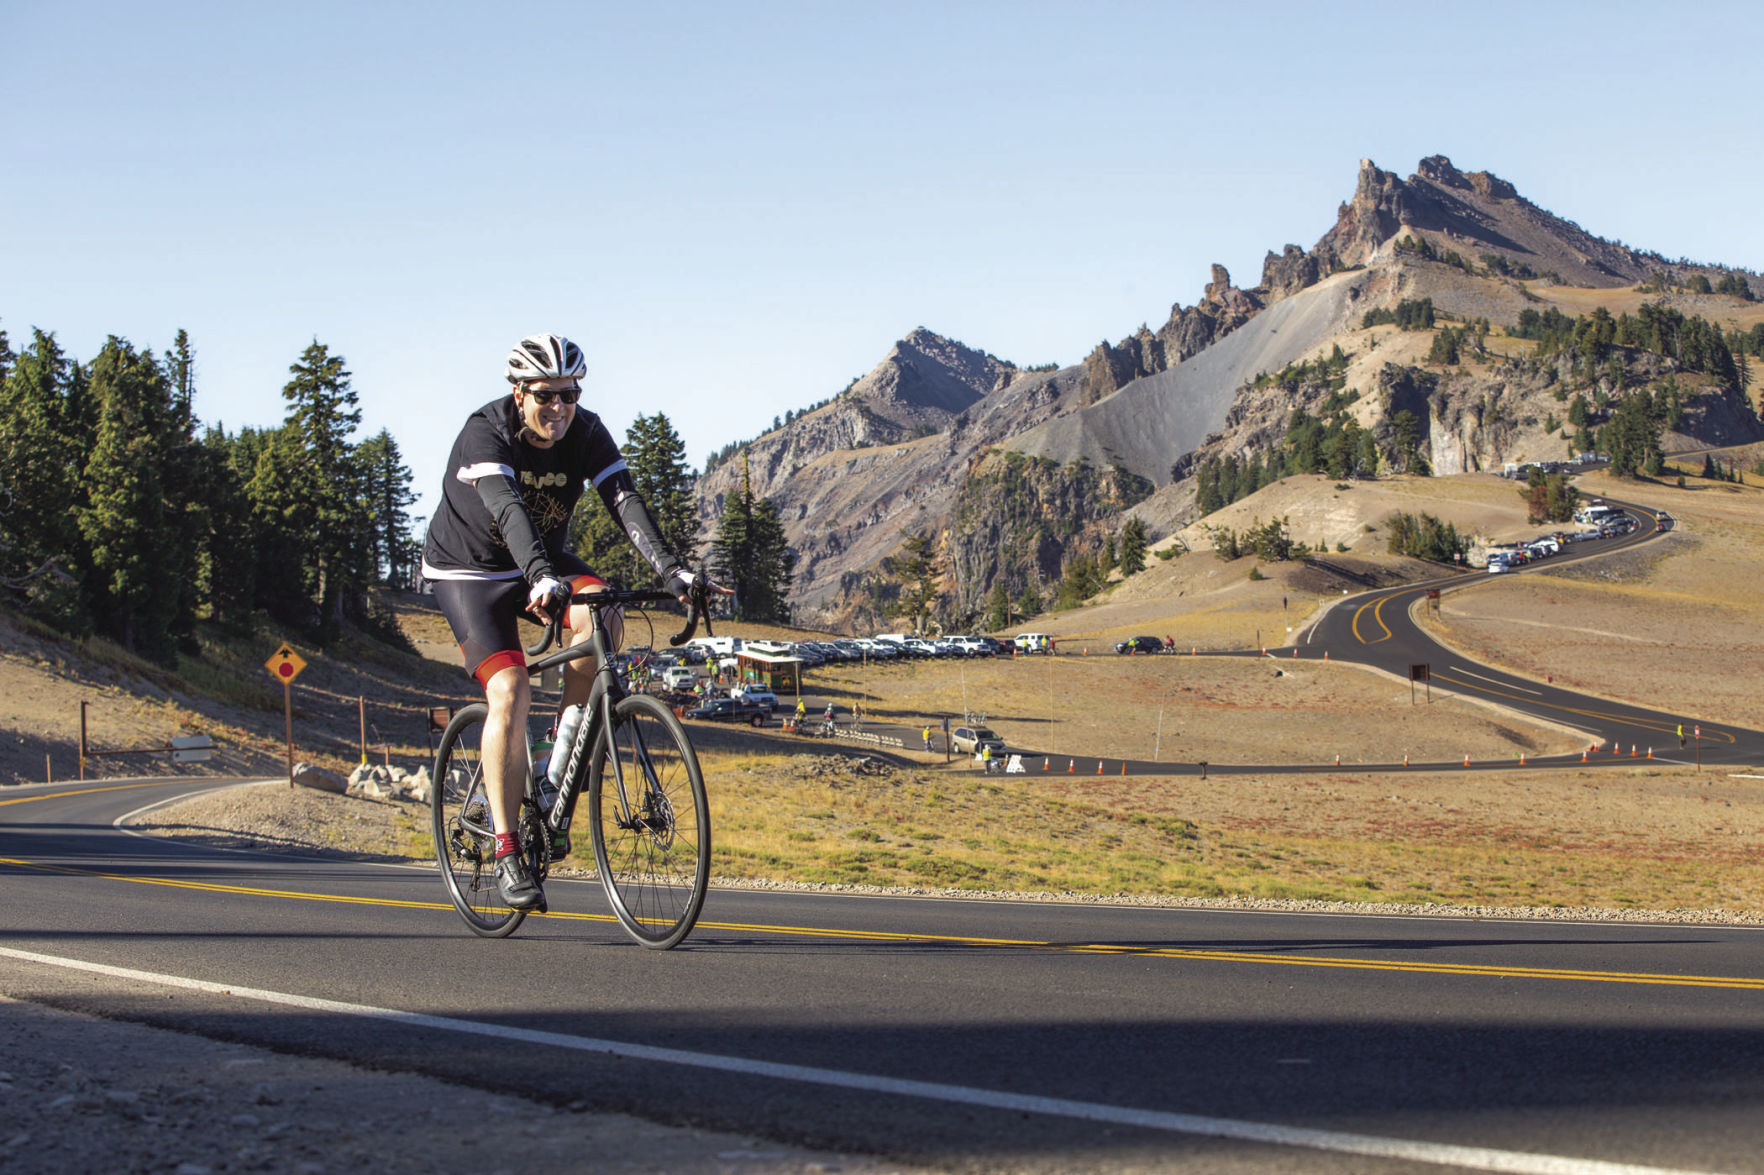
(508, 694)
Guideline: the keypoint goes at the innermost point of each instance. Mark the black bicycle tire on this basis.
(488, 919)
(655, 910)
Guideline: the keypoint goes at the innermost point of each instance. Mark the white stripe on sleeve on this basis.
(616, 467)
(471, 473)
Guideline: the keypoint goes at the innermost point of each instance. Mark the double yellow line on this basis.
(1486, 971)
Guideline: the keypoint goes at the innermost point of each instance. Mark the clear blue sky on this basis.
(736, 208)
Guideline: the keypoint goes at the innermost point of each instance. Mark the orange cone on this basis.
(1466, 760)
(1295, 652)
(1521, 758)
(1338, 760)
(1632, 750)
(1650, 752)
(1583, 756)
(1123, 766)
(1405, 758)
(1044, 763)
(1326, 654)
(1069, 765)
(1099, 766)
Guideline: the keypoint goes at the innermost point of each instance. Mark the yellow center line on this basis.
(86, 791)
(1659, 726)
(1493, 971)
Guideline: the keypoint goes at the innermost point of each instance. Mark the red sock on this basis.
(507, 843)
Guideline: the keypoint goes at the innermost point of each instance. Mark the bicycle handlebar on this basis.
(696, 611)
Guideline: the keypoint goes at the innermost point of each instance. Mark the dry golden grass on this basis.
(1616, 839)
(1189, 709)
(1674, 625)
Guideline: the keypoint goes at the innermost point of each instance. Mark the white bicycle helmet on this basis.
(545, 357)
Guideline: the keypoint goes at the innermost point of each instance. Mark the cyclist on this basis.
(495, 548)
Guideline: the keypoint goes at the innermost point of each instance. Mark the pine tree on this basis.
(132, 524)
(917, 569)
(998, 607)
(1029, 601)
(657, 457)
(227, 574)
(39, 464)
(322, 414)
(386, 482)
(753, 557)
(1133, 546)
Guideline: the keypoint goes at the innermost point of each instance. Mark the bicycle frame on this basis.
(603, 695)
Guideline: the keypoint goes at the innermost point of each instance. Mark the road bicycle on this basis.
(648, 818)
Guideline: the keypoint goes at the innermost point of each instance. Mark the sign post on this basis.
(1421, 672)
(285, 665)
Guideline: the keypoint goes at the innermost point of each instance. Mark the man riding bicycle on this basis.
(495, 548)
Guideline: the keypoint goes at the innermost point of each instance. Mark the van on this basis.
(1034, 642)
(718, 646)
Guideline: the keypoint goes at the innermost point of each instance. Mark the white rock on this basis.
(318, 778)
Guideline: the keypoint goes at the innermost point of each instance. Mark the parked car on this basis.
(969, 740)
(1139, 644)
(759, 695)
(730, 710)
(679, 677)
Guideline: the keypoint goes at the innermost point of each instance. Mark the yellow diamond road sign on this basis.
(284, 664)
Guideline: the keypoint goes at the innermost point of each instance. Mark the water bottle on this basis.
(567, 727)
(540, 754)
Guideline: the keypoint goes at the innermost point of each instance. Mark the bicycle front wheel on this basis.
(650, 822)
(465, 844)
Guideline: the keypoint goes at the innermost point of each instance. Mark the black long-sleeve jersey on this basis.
(506, 504)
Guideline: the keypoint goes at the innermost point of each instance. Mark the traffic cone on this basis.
(1405, 758)
(1521, 758)
(1583, 756)
(1191, 651)
(1069, 765)
(1338, 760)
(1326, 654)
(1123, 766)
(1295, 652)
(1466, 760)
(1632, 750)
(1099, 766)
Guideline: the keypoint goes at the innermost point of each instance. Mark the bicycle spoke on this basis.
(464, 844)
(650, 822)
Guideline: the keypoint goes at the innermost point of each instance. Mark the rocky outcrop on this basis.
(1021, 519)
(894, 452)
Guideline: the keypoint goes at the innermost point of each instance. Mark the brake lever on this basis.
(553, 631)
(697, 597)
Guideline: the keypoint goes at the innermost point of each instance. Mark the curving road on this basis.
(962, 1034)
(969, 1034)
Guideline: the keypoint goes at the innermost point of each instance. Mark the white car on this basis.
(679, 677)
(759, 695)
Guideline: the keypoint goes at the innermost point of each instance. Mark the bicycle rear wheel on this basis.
(651, 835)
(465, 844)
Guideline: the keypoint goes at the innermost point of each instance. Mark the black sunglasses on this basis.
(568, 395)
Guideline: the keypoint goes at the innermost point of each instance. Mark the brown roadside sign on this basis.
(285, 664)
(1418, 672)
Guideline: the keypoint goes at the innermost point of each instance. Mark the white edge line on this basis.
(1444, 1154)
(1499, 682)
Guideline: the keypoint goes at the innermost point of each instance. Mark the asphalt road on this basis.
(976, 1035)
(1378, 629)
(963, 1034)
